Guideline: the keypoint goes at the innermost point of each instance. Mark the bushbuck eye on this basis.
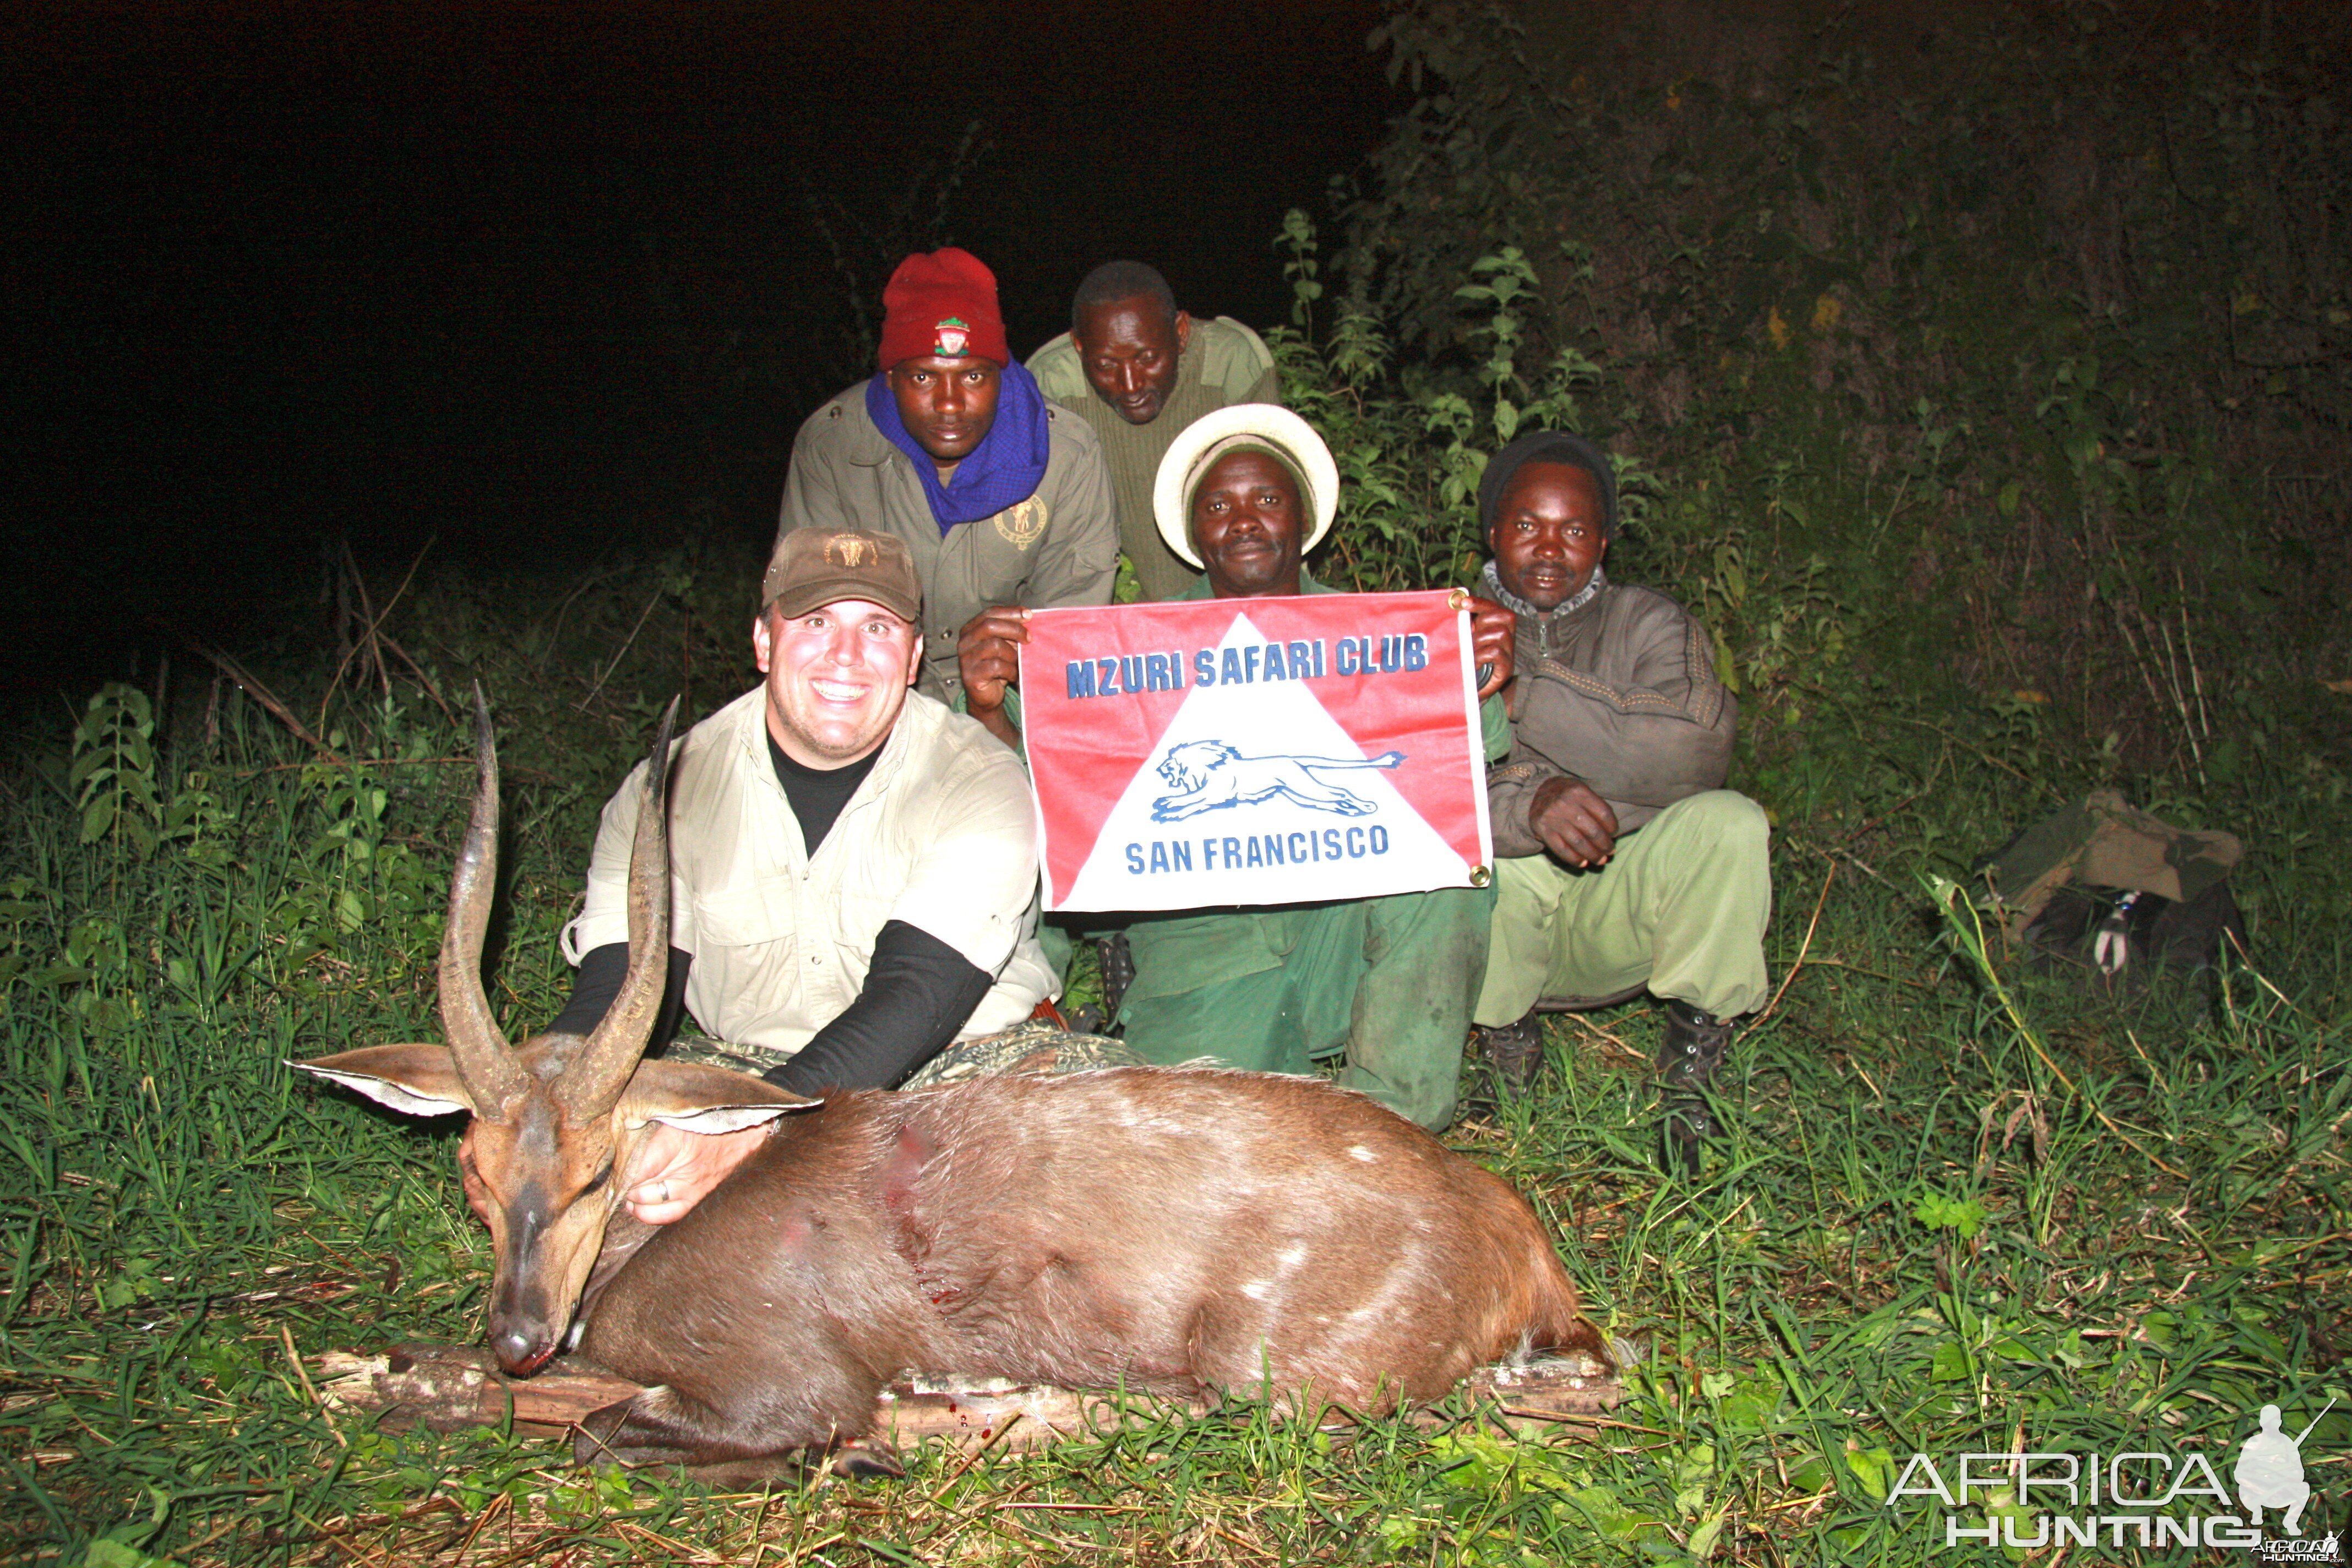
(598, 1180)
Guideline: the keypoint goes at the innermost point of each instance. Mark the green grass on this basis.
(1935, 1226)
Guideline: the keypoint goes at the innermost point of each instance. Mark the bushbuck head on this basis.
(556, 1122)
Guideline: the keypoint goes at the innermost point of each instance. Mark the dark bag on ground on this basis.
(2117, 895)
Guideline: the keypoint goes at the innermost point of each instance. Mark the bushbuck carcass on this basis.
(1175, 1231)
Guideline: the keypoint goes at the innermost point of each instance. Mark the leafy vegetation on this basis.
(2002, 463)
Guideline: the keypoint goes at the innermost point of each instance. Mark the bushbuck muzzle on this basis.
(1173, 1231)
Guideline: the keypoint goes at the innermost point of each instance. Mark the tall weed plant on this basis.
(2033, 338)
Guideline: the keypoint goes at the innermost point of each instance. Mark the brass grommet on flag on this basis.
(1481, 875)
(1458, 599)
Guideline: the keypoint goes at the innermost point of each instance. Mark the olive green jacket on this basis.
(1619, 692)
(1224, 362)
(1059, 547)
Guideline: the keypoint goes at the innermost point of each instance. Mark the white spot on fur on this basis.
(1258, 1289)
(1291, 1256)
(1361, 1153)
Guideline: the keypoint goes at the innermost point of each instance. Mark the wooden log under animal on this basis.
(448, 1388)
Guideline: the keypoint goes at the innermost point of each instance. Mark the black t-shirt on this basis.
(817, 795)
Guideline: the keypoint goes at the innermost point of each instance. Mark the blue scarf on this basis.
(1003, 470)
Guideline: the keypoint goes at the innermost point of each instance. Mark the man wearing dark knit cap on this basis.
(1139, 371)
(1622, 863)
(1000, 497)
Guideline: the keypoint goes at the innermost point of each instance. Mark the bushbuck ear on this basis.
(417, 1080)
(699, 1099)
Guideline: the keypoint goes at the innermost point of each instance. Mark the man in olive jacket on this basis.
(1139, 371)
(1621, 861)
(1002, 497)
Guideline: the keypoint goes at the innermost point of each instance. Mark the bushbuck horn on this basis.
(486, 1064)
(596, 1077)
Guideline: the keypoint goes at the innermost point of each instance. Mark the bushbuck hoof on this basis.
(868, 1459)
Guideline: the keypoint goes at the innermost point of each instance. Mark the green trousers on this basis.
(1390, 981)
(1681, 908)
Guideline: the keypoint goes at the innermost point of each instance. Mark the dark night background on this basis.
(551, 283)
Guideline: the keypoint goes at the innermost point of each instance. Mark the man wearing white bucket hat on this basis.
(1244, 493)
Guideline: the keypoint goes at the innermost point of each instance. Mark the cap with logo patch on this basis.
(942, 303)
(816, 566)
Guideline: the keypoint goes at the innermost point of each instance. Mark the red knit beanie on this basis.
(943, 304)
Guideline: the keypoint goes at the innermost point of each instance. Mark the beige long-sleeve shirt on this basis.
(940, 835)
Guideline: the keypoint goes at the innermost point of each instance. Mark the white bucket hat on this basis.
(1266, 424)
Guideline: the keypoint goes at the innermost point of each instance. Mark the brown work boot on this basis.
(1510, 1054)
(1689, 1053)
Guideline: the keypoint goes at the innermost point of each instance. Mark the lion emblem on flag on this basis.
(1210, 775)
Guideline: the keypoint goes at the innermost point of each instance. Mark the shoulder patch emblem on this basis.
(1022, 523)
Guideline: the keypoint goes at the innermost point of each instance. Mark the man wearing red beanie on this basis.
(1003, 498)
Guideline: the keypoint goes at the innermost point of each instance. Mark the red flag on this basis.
(1223, 752)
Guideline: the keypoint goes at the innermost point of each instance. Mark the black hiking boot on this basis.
(1687, 1057)
(1510, 1054)
(1118, 966)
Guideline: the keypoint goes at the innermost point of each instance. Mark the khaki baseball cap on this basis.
(816, 566)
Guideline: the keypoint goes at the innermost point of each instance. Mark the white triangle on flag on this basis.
(1321, 832)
